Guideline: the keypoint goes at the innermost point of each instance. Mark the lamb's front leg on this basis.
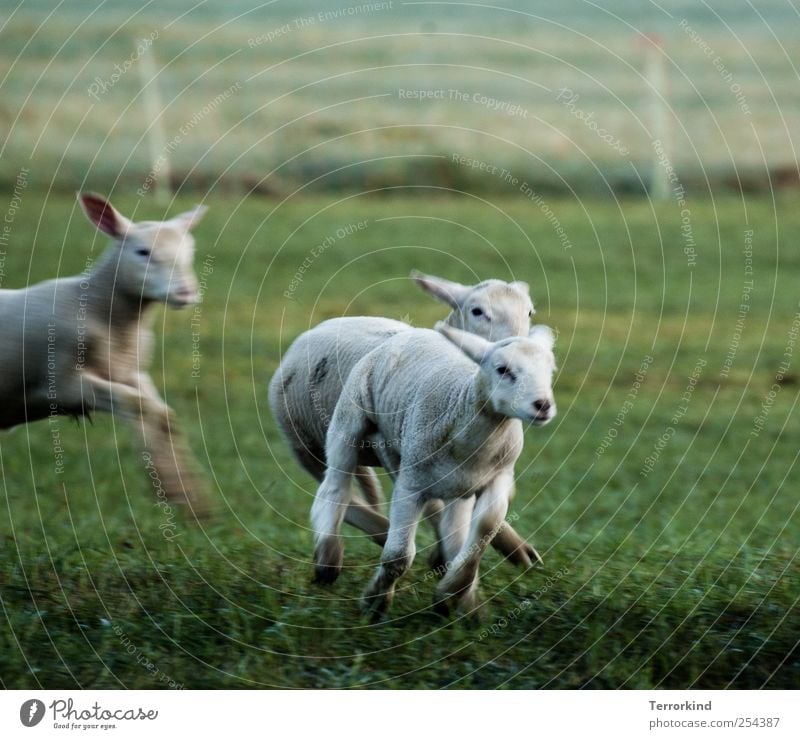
(140, 405)
(398, 554)
(177, 468)
(459, 587)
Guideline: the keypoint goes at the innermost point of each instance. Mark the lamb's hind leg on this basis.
(333, 498)
(368, 481)
(362, 512)
(514, 548)
(510, 544)
(359, 513)
(364, 518)
(507, 541)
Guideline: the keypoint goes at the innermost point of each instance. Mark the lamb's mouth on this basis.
(182, 299)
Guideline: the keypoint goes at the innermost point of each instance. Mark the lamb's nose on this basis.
(541, 406)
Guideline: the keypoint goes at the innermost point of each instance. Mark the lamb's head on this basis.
(492, 309)
(516, 373)
(155, 258)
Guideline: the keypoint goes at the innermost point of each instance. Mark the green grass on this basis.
(684, 577)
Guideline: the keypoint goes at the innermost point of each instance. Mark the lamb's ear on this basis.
(191, 218)
(475, 347)
(104, 215)
(452, 293)
(523, 287)
(543, 335)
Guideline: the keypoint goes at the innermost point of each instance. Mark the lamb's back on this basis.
(307, 385)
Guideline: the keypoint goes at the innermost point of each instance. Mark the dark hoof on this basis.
(372, 615)
(373, 607)
(328, 559)
(536, 558)
(437, 563)
(202, 511)
(475, 613)
(525, 556)
(326, 574)
(441, 607)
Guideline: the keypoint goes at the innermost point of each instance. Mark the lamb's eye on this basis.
(506, 372)
(142, 252)
(530, 313)
(477, 312)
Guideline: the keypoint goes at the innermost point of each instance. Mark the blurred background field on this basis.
(320, 103)
(667, 565)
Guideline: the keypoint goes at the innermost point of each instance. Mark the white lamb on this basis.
(76, 345)
(306, 387)
(448, 422)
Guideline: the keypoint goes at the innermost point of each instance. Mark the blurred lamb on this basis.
(81, 344)
(306, 387)
(447, 419)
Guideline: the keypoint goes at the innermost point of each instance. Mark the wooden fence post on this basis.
(656, 74)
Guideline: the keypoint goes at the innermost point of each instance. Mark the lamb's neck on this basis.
(108, 301)
(475, 406)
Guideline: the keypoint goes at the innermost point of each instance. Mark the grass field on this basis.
(667, 564)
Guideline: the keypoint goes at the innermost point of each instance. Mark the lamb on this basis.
(448, 422)
(306, 387)
(76, 345)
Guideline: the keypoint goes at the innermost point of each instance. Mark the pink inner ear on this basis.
(102, 215)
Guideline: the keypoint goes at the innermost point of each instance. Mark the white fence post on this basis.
(157, 137)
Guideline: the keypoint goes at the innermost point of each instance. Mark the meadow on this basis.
(662, 497)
